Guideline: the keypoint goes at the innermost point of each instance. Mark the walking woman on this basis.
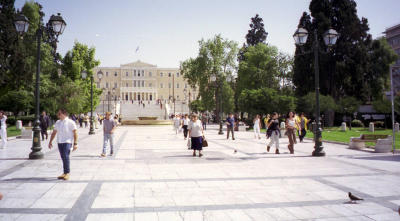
(196, 135)
(302, 122)
(291, 126)
(257, 126)
(273, 132)
(185, 124)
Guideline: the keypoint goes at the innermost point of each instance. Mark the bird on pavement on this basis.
(235, 151)
(354, 198)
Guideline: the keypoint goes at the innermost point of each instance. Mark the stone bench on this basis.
(359, 142)
(26, 134)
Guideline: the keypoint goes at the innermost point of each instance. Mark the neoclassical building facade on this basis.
(141, 81)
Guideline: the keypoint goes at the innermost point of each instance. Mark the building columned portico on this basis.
(139, 81)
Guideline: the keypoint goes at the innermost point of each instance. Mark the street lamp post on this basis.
(100, 76)
(53, 29)
(330, 37)
(84, 76)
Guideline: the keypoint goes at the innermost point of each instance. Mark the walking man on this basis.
(67, 135)
(109, 125)
(44, 124)
(3, 130)
(230, 124)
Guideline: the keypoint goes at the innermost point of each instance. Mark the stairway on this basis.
(133, 111)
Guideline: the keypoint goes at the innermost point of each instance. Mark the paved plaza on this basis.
(152, 176)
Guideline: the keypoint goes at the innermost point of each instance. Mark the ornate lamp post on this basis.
(218, 84)
(52, 30)
(100, 76)
(330, 37)
(84, 76)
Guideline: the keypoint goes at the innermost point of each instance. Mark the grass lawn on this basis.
(334, 134)
(12, 131)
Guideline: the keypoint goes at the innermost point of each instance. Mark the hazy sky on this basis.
(167, 32)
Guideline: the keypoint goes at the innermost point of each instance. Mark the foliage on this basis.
(196, 106)
(307, 103)
(255, 35)
(265, 100)
(379, 124)
(348, 105)
(216, 57)
(356, 66)
(383, 106)
(357, 123)
(16, 101)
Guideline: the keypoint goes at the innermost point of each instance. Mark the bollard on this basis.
(18, 124)
(371, 127)
(343, 127)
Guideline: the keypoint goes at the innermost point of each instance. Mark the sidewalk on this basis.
(152, 176)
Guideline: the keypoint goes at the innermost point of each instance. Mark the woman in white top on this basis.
(290, 131)
(185, 124)
(257, 126)
(177, 123)
(3, 129)
(196, 135)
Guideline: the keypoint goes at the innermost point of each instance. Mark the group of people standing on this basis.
(293, 123)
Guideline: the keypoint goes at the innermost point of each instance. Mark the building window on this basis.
(106, 73)
(177, 74)
(138, 73)
(127, 74)
(143, 72)
(134, 73)
(161, 85)
(185, 85)
(169, 85)
(115, 74)
(142, 83)
(106, 84)
(177, 97)
(169, 74)
(134, 83)
(150, 84)
(161, 74)
(177, 85)
(115, 85)
(149, 74)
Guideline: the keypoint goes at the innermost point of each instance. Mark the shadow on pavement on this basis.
(395, 158)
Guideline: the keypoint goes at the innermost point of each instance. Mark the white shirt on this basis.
(196, 128)
(177, 121)
(291, 123)
(186, 121)
(257, 123)
(3, 122)
(65, 130)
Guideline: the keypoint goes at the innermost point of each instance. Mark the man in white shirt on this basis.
(3, 130)
(65, 129)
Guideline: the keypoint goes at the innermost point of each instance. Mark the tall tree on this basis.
(256, 34)
(216, 57)
(347, 69)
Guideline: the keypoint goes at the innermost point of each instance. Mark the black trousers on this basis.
(302, 134)
(229, 129)
(185, 130)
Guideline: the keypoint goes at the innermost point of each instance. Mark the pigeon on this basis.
(354, 198)
(235, 151)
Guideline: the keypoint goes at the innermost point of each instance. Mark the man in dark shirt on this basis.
(44, 124)
(230, 123)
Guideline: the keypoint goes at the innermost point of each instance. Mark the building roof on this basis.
(138, 63)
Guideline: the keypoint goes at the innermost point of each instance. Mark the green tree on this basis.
(306, 104)
(356, 66)
(255, 35)
(216, 58)
(17, 101)
(348, 105)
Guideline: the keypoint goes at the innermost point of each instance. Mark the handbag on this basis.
(205, 143)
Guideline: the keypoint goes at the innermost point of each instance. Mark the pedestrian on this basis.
(81, 118)
(109, 125)
(66, 132)
(185, 124)
(44, 124)
(257, 127)
(230, 124)
(266, 120)
(302, 121)
(177, 122)
(196, 135)
(291, 126)
(3, 130)
(273, 132)
(86, 120)
(204, 120)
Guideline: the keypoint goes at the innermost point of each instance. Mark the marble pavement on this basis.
(152, 176)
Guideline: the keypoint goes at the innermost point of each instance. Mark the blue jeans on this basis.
(65, 149)
(108, 138)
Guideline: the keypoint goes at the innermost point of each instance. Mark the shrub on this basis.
(379, 124)
(357, 123)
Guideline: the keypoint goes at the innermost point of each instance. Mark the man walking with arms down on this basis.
(67, 135)
(109, 126)
(230, 124)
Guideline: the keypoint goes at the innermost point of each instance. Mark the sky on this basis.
(167, 31)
